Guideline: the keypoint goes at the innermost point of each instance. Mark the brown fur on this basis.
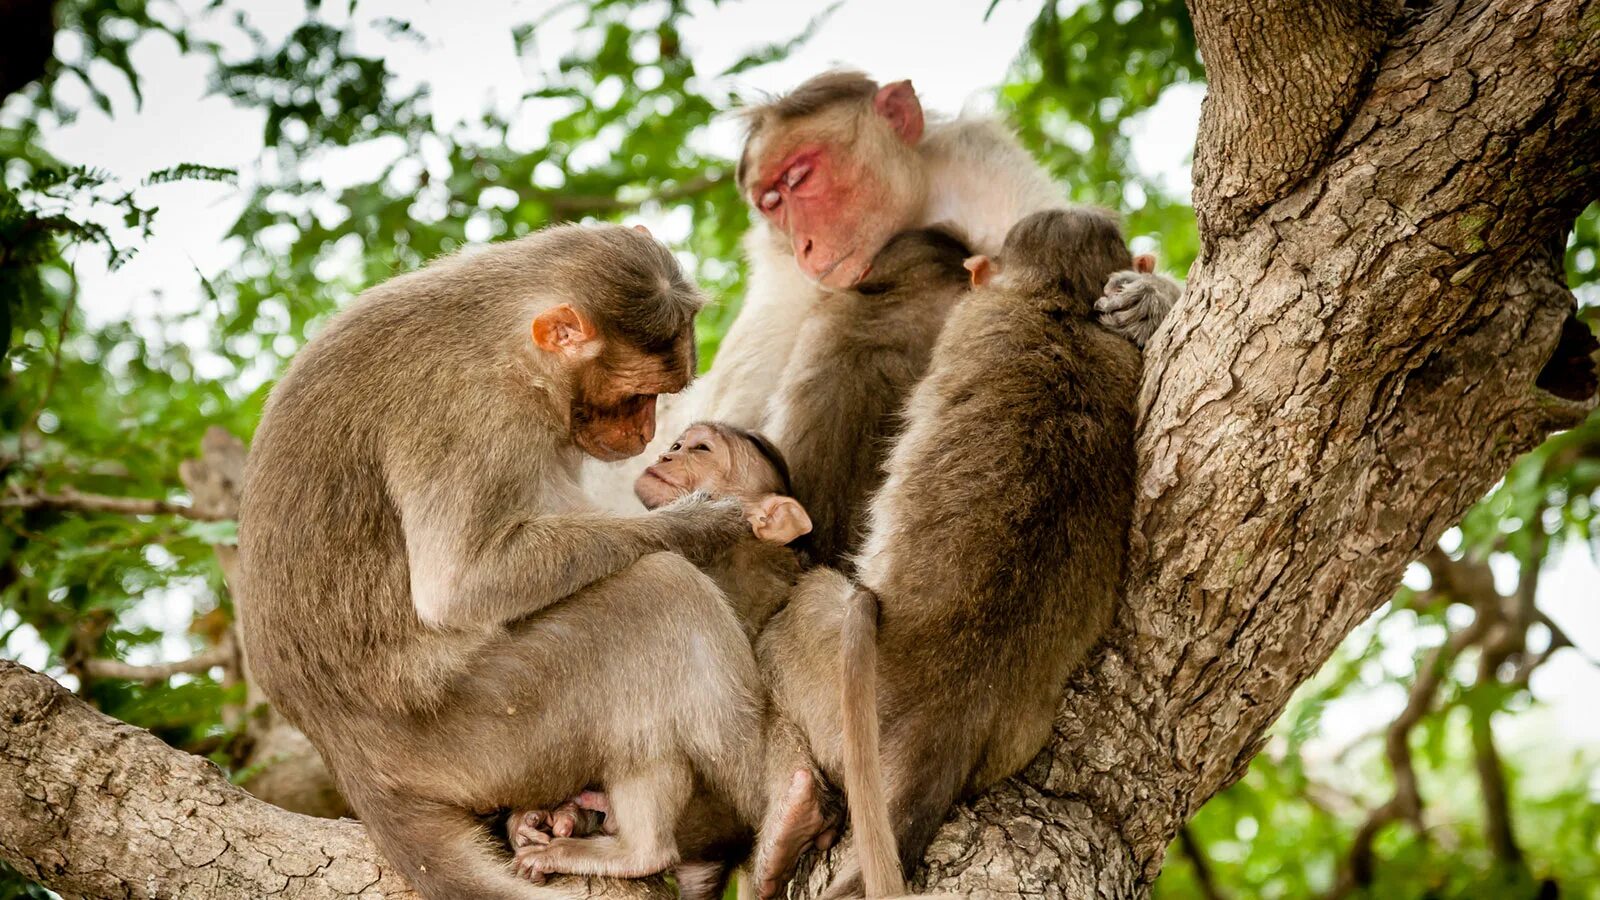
(428, 596)
(996, 544)
(856, 360)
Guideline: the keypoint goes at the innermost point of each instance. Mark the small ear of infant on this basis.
(778, 519)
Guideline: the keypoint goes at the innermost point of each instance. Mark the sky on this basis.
(954, 58)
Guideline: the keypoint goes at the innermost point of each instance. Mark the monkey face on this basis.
(617, 431)
(841, 182)
(700, 460)
(614, 398)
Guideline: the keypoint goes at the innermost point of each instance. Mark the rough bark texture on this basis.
(1380, 191)
(93, 807)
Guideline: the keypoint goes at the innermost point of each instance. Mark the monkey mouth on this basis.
(651, 471)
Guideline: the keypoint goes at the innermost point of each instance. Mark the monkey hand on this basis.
(702, 526)
(1135, 303)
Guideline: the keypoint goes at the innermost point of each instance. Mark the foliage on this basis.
(114, 408)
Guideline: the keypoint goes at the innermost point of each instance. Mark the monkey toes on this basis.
(800, 822)
(582, 816)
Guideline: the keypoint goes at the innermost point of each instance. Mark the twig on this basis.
(32, 421)
(72, 499)
(223, 654)
(1406, 802)
(1202, 865)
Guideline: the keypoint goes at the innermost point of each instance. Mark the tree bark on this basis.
(93, 807)
(1369, 339)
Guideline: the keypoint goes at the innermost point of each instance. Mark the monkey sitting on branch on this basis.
(993, 560)
(421, 569)
(755, 573)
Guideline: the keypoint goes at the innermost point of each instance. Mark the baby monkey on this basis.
(724, 460)
(756, 574)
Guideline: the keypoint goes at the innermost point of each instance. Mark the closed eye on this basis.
(796, 174)
(770, 200)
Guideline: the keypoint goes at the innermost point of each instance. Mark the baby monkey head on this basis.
(1069, 252)
(726, 461)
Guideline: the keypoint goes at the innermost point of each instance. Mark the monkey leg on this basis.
(799, 815)
(646, 805)
(921, 785)
(446, 852)
(702, 880)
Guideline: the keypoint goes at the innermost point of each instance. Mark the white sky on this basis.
(954, 58)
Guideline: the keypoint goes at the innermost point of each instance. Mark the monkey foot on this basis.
(604, 856)
(582, 816)
(799, 823)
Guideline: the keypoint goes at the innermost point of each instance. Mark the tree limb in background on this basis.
(73, 500)
(224, 654)
(1406, 802)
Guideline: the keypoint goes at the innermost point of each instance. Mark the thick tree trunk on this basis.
(1379, 191)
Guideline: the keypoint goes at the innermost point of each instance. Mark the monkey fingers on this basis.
(798, 823)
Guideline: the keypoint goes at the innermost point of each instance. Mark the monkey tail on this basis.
(863, 763)
(445, 853)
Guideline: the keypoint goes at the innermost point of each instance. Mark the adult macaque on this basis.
(425, 585)
(856, 359)
(993, 559)
(834, 169)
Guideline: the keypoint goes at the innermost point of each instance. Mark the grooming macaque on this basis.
(834, 169)
(856, 359)
(993, 558)
(428, 594)
(722, 460)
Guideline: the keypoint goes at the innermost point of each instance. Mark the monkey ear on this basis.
(982, 269)
(1144, 262)
(898, 104)
(780, 519)
(562, 329)
(643, 230)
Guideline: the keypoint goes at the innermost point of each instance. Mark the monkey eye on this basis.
(700, 447)
(675, 448)
(770, 200)
(796, 174)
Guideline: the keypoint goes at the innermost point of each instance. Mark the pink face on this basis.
(840, 202)
(824, 201)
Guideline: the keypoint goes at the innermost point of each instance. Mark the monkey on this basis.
(832, 171)
(755, 574)
(722, 460)
(856, 358)
(425, 584)
(993, 558)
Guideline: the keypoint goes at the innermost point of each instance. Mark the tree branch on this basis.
(223, 654)
(76, 501)
(1282, 77)
(91, 807)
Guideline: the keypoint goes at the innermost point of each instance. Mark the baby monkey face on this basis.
(727, 462)
(702, 459)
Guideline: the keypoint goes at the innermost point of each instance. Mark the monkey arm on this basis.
(469, 578)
